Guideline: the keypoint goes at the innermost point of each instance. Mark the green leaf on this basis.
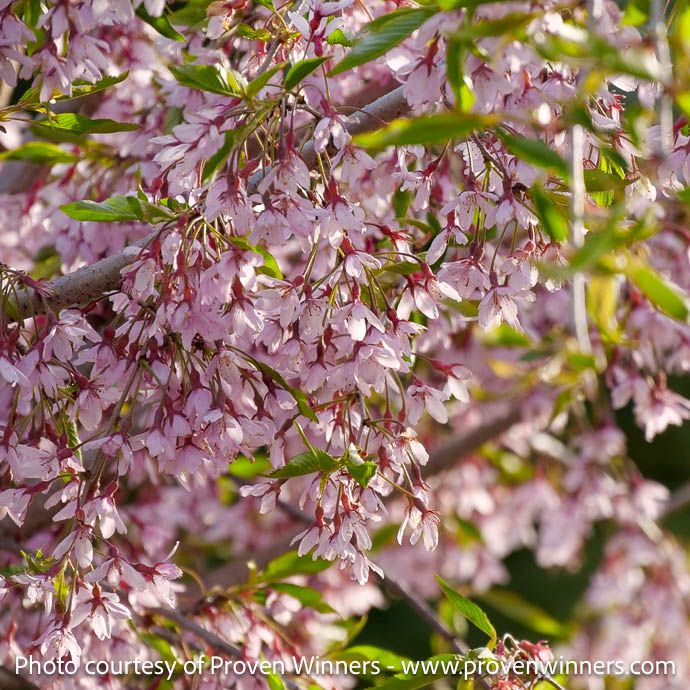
(253, 34)
(361, 471)
(275, 682)
(663, 294)
(154, 214)
(290, 564)
(515, 607)
(160, 645)
(454, 59)
(409, 681)
(39, 152)
(305, 595)
(306, 463)
(244, 468)
(552, 220)
(469, 610)
(600, 181)
(300, 70)
(535, 152)
(636, 12)
(216, 161)
(80, 88)
(116, 208)
(300, 398)
(193, 12)
(511, 24)
(402, 198)
(161, 24)
(203, 78)
(339, 38)
(505, 336)
(382, 35)
(388, 661)
(467, 4)
(47, 263)
(269, 268)
(75, 124)
(589, 50)
(428, 129)
(257, 84)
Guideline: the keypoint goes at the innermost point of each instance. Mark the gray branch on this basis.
(98, 279)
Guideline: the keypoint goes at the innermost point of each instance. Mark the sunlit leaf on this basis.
(161, 24)
(518, 609)
(552, 220)
(663, 294)
(300, 70)
(203, 78)
(73, 123)
(39, 152)
(381, 36)
(428, 129)
(309, 462)
(116, 208)
(534, 151)
(290, 564)
(469, 610)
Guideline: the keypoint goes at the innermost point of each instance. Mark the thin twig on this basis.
(9, 680)
(216, 643)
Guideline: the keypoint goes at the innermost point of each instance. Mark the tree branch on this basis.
(216, 643)
(461, 446)
(9, 680)
(98, 279)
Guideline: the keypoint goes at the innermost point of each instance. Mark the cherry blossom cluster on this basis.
(296, 297)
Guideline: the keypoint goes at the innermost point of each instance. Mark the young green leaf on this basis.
(552, 220)
(73, 123)
(161, 24)
(381, 36)
(297, 72)
(253, 34)
(116, 208)
(270, 266)
(39, 152)
(216, 161)
(535, 152)
(203, 78)
(428, 129)
(339, 38)
(305, 595)
(30, 99)
(363, 473)
(443, 665)
(390, 661)
(454, 59)
(469, 610)
(290, 564)
(257, 84)
(524, 612)
(275, 682)
(244, 468)
(663, 294)
(154, 214)
(300, 398)
(305, 463)
(601, 181)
